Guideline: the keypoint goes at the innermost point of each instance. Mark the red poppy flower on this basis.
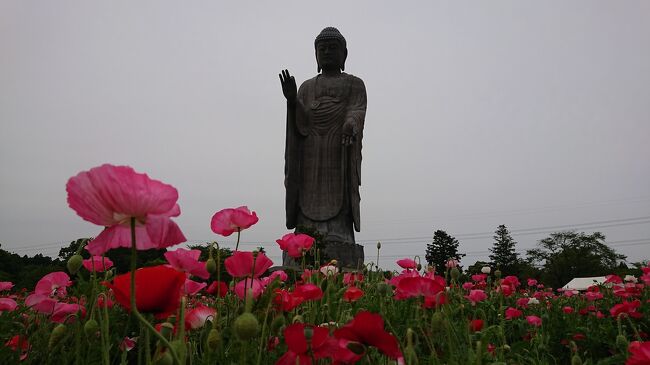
(227, 221)
(98, 263)
(639, 353)
(295, 244)
(19, 343)
(513, 313)
(110, 196)
(218, 288)
(352, 294)
(476, 325)
(534, 321)
(157, 289)
(286, 301)
(299, 348)
(409, 287)
(628, 308)
(368, 328)
(6, 285)
(309, 291)
(349, 278)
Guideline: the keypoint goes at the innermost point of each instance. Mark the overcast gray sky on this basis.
(535, 115)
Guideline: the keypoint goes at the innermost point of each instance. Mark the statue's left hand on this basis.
(349, 133)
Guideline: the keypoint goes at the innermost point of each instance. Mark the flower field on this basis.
(184, 312)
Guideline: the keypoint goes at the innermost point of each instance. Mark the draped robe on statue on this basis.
(322, 176)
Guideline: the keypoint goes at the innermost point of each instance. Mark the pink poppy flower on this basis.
(513, 313)
(368, 329)
(98, 264)
(128, 343)
(295, 244)
(280, 274)
(110, 196)
(409, 287)
(476, 296)
(6, 285)
(227, 221)
(468, 285)
(7, 305)
(53, 284)
(450, 264)
(613, 279)
(247, 285)
(639, 353)
(534, 321)
(196, 317)
(407, 264)
(349, 278)
(41, 303)
(567, 309)
(187, 261)
(240, 264)
(67, 313)
(309, 291)
(192, 287)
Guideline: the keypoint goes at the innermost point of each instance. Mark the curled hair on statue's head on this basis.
(331, 33)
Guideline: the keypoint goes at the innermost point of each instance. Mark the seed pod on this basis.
(437, 322)
(455, 273)
(74, 263)
(378, 245)
(308, 332)
(621, 343)
(383, 288)
(576, 360)
(213, 339)
(419, 267)
(164, 358)
(246, 326)
(298, 319)
(277, 323)
(57, 335)
(497, 274)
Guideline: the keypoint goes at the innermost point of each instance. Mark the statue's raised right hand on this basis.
(288, 86)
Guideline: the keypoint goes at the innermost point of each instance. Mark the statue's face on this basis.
(330, 54)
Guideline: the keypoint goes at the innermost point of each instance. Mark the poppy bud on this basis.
(246, 326)
(437, 322)
(383, 288)
(74, 263)
(497, 274)
(90, 327)
(378, 245)
(455, 273)
(213, 339)
(108, 274)
(277, 324)
(506, 347)
(419, 267)
(165, 358)
(621, 342)
(211, 266)
(166, 330)
(57, 335)
(576, 360)
(298, 319)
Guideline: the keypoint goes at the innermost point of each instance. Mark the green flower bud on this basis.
(378, 245)
(419, 267)
(277, 324)
(621, 343)
(91, 327)
(166, 330)
(576, 360)
(74, 263)
(164, 358)
(57, 335)
(497, 274)
(213, 339)
(438, 322)
(309, 333)
(298, 319)
(455, 273)
(246, 326)
(383, 288)
(211, 266)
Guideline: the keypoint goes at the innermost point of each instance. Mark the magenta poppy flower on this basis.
(352, 294)
(476, 296)
(349, 278)
(309, 291)
(295, 244)
(218, 288)
(240, 264)
(407, 264)
(639, 353)
(41, 303)
(96, 263)
(7, 305)
(67, 313)
(534, 321)
(192, 287)
(476, 325)
(110, 196)
(416, 286)
(6, 285)
(227, 221)
(300, 349)
(249, 285)
(280, 274)
(368, 328)
(196, 317)
(513, 313)
(187, 261)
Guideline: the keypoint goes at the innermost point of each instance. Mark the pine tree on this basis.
(503, 252)
(443, 248)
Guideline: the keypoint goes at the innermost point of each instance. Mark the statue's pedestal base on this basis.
(348, 255)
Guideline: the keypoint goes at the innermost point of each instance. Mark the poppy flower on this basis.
(19, 343)
(309, 291)
(53, 284)
(285, 300)
(157, 289)
(192, 287)
(65, 313)
(110, 196)
(409, 287)
(476, 296)
(476, 325)
(628, 308)
(187, 261)
(253, 285)
(407, 264)
(6, 285)
(7, 305)
(196, 317)
(218, 288)
(639, 353)
(227, 221)
(352, 294)
(295, 244)
(534, 321)
(513, 313)
(280, 274)
(320, 345)
(240, 264)
(368, 329)
(349, 278)
(98, 263)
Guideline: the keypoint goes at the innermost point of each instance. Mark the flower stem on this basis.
(134, 308)
(238, 236)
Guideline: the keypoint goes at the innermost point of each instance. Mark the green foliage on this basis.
(567, 255)
(443, 248)
(503, 253)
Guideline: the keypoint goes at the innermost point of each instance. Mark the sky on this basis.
(531, 114)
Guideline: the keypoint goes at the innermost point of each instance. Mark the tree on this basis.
(504, 257)
(567, 255)
(443, 248)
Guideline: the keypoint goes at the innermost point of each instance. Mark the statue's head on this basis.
(331, 49)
